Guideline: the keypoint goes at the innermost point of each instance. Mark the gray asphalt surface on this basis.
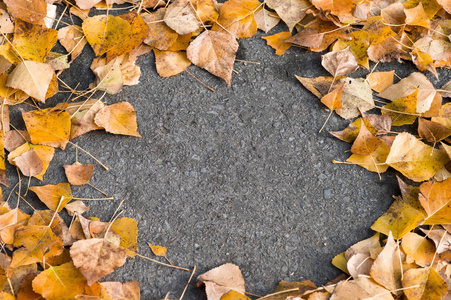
(241, 175)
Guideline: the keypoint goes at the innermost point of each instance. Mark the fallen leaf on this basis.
(119, 118)
(236, 17)
(78, 174)
(33, 42)
(386, 269)
(54, 197)
(181, 17)
(48, 127)
(419, 248)
(278, 42)
(434, 198)
(60, 283)
(416, 160)
(96, 258)
(336, 7)
(170, 63)
(220, 280)
(339, 63)
(82, 116)
(365, 143)
(127, 229)
(431, 131)
(72, 39)
(359, 289)
(120, 291)
(402, 111)
(32, 12)
(359, 264)
(76, 207)
(417, 16)
(9, 222)
(29, 163)
(24, 77)
(266, 20)
(86, 4)
(234, 295)
(374, 162)
(349, 134)
(160, 36)
(158, 250)
(379, 81)
(333, 99)
(290, 11)
(36, 242)
(105, 32)
(214, 52)
(356, 98)
(16, 138)
(441, 239)
(424, 284)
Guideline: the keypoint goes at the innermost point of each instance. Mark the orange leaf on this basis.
(119, 118)
(158, 250)
(277, 42)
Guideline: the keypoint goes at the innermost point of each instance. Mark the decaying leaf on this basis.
(221, 280)
(96, 258)
(214, 52)
(181, 17)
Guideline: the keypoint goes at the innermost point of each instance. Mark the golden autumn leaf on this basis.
(33, 42)
(206, 10)
(365, 142)
(119, 118)
(417, 16)
(402, 110)
(278, 42)
(420, 249)
(379, 81)
(356, 98)
(336, 7)
(349, 134)
(106, 32)
(158, 250)
(233, 295)
(121, 291)
(424, 284)
(359, 289)
(96, 258)
(9, 222)
(236, 17)
(436, 202)
(48, 127)
(33, 12)
(214, 52)
(54, 197)
(60, 283)
(127, 229)
(170, 63)
(333, 99)
(36, 242)
(416, 160)
(374, 162)
(25, 77)
(160, 36)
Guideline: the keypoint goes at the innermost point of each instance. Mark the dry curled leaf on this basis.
(221, 280)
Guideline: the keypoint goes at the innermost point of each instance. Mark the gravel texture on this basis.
(241, 175)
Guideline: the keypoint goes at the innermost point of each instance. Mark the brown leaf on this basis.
(170, 63)
(119, 118)
(266, 20)
(365, 143)
(78, 174)
(160, 35)
(379, 81)
(356, 98)
(86, 4)
(339, 63)
(29, 163)
(96, 258)
(359, 289)
(32, 12)
(72, 39)
(82, 116)
(76, 207)
(236, 17)
(214, 52)
(220, 280)
(431, 131)
(290, 11)
(181, 17)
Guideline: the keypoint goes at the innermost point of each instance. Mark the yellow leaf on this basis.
(48, 127)
(434, 197)
(277, 42)
(333, 99)
(33, 42)
(31, 11)
(236, 17)
(378, 31)
(127, 228)
(60, 283)
(106, 32)
(404, 215)
(414, 159)
(419, 248)
(9, 222)
(37, 243)
(234, 295)
(160, 35)
(402, 110)
(119, 118)
(365, 143)
(158, 250)
(379, 81)
(417, 16)
(341, 262)
(424, 284)
(54, 197)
